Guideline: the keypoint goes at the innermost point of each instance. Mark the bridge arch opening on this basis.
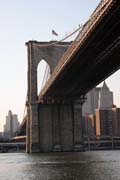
(43, 74)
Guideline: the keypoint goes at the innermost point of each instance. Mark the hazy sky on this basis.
(24, 20)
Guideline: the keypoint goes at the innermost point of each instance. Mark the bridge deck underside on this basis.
(95, 60)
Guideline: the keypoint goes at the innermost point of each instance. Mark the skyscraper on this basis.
(104, 122)
(105, 97)
(11, 124)
(116, 121)
(99, 102)
(91, 102)
(16, 123)
(89, 125)
(108, 121)
(99, 97)
(8, 128)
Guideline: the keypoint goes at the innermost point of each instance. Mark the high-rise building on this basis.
(11, 124)
(104, 115)
(99, 102)
(105, 97)
(8, 128)
(108, 122)
(91, 102)
(16, 123)
(99, 97)
(116, 121)
(104, 122)
(1, 136)
(89, 125)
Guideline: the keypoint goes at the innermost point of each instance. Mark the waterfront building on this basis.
(89, 125)
(6, 136)
(16, 123)
(116, 121)
(99, 97)
(8, 126)
(1, 136)
(105, 100)
(108, 121)
(104, 115)
(11, 124)
(91, 102)
(104, 122)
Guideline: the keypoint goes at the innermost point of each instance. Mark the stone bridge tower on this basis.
(36, 52)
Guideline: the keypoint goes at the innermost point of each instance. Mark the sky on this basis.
(24, 20)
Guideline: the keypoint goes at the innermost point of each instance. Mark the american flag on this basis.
(54, 33)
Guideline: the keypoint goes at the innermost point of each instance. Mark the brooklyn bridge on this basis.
(54, 115)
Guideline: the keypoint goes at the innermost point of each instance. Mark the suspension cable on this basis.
(100, 6)
(56, 42)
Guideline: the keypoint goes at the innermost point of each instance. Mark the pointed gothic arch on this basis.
(43, 74)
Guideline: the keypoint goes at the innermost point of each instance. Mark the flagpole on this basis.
(52, 37)
(54, 34)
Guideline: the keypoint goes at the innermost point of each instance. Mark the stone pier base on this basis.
(59, 128)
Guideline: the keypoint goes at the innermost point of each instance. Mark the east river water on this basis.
(89, 165)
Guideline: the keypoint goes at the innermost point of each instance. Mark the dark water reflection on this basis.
(94, 165)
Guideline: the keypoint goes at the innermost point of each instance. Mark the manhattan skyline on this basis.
(34, 20)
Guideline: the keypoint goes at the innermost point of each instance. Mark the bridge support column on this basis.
(34, 129)
(66, 128)
(78, 125)
(56, 127)
(61, 126)
(28, 130)
(32, 105)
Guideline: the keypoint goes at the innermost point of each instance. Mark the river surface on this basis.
(89, 165)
